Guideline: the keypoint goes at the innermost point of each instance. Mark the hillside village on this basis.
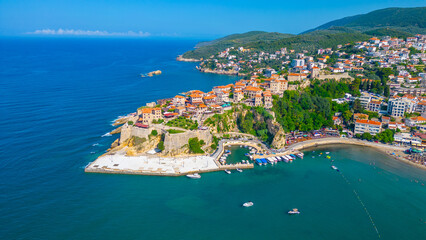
(383, 99)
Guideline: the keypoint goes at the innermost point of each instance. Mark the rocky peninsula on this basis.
(182, 59)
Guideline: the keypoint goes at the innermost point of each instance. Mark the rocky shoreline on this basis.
(180, 58)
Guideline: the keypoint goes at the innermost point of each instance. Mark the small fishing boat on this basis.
(194, 176)
(327, 152)
(293, 211)
(239, 170)
(248, 204)
(334, 168)
(227, 171)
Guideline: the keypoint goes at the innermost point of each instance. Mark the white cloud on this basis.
(78, 32)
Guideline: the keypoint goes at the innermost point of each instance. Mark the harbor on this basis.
(220, 160)
(256, 153)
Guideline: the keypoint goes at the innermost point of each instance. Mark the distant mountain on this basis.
(395, 22)
(409, 19)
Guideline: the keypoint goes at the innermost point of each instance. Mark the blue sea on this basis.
(58, 98)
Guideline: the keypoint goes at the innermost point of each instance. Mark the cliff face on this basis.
(277, 130)
(225, 122)
(279, 139)
(175, 144)
(274, 128)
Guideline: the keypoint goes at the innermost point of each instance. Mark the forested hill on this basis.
(395, 22)
(406, 19)
(205, 49)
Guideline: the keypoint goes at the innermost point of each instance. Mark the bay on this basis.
(59, 96)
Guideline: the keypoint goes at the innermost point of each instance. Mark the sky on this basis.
(178, 18)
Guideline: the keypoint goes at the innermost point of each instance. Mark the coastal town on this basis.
(369, 93)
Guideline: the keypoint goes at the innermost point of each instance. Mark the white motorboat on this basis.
(248, 204)
(334, 167)
(227, 171)
(239, 170)
(293, 211)
(194, 176)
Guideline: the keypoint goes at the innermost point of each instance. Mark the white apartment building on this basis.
(398, 106)
(363, 126)
(374, 106)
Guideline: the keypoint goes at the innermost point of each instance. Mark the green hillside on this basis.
(409, 18)
(395, 22)
(388, 32)
(205, 49)
(310, 42)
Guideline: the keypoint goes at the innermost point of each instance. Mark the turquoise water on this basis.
(237, 154)
(59, 96)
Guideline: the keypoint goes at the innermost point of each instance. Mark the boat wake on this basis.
(107, 135)
(95, 144)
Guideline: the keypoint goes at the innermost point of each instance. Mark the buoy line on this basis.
(363, 205)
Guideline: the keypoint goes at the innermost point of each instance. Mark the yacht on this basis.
(293, 211)
(239, 170)
(227, 171)
(248, 204)
(335, 168)
(194, 176)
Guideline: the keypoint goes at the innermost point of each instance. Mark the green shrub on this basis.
(130, 123)
(174, 131)
(195, 145)
(154, 132)
(161, 145)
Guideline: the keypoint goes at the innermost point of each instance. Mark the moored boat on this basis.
(227, 171)
(248, 204)
(335, 168)
(239, 170)
(194, 176)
